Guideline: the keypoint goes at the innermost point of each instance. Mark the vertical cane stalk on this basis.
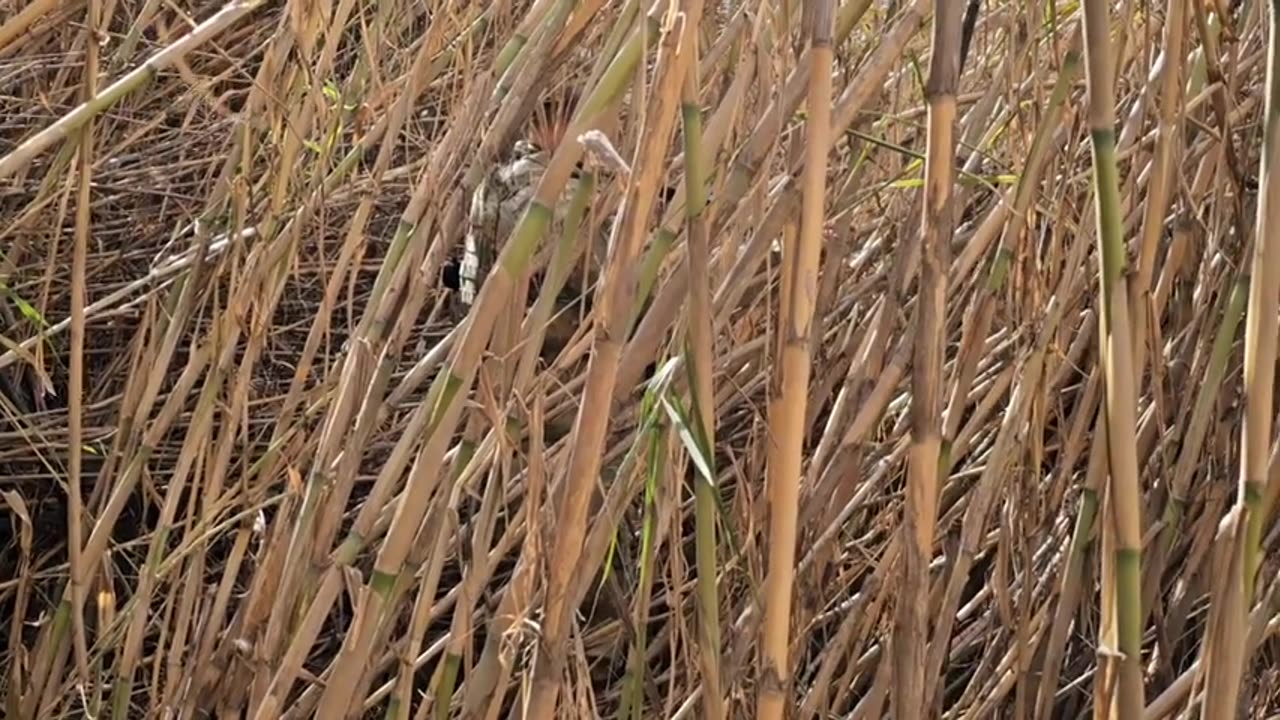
(1240, 533)
(911, 619)
(788, 405)
(1123, 534)
(699, 349)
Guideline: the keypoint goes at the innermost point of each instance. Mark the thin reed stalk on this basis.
(911, 619)
(1122, 534)
(700, 362)
(1238, 544)
(614, 300)
(791, 383)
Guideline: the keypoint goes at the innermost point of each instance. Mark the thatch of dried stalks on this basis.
(861, 359)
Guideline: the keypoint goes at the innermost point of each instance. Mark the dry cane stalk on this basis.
(1239, 537)
(615, 299)
(790, 396)
(911, 619)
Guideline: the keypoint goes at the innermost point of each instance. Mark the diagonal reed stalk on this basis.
(99, 102)
(615, 296)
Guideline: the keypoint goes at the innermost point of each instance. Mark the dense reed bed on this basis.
(639, 359)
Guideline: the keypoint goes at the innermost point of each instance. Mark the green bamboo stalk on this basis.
(1124, 533)
(699, 353)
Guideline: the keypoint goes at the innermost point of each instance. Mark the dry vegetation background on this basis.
(924, 366)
